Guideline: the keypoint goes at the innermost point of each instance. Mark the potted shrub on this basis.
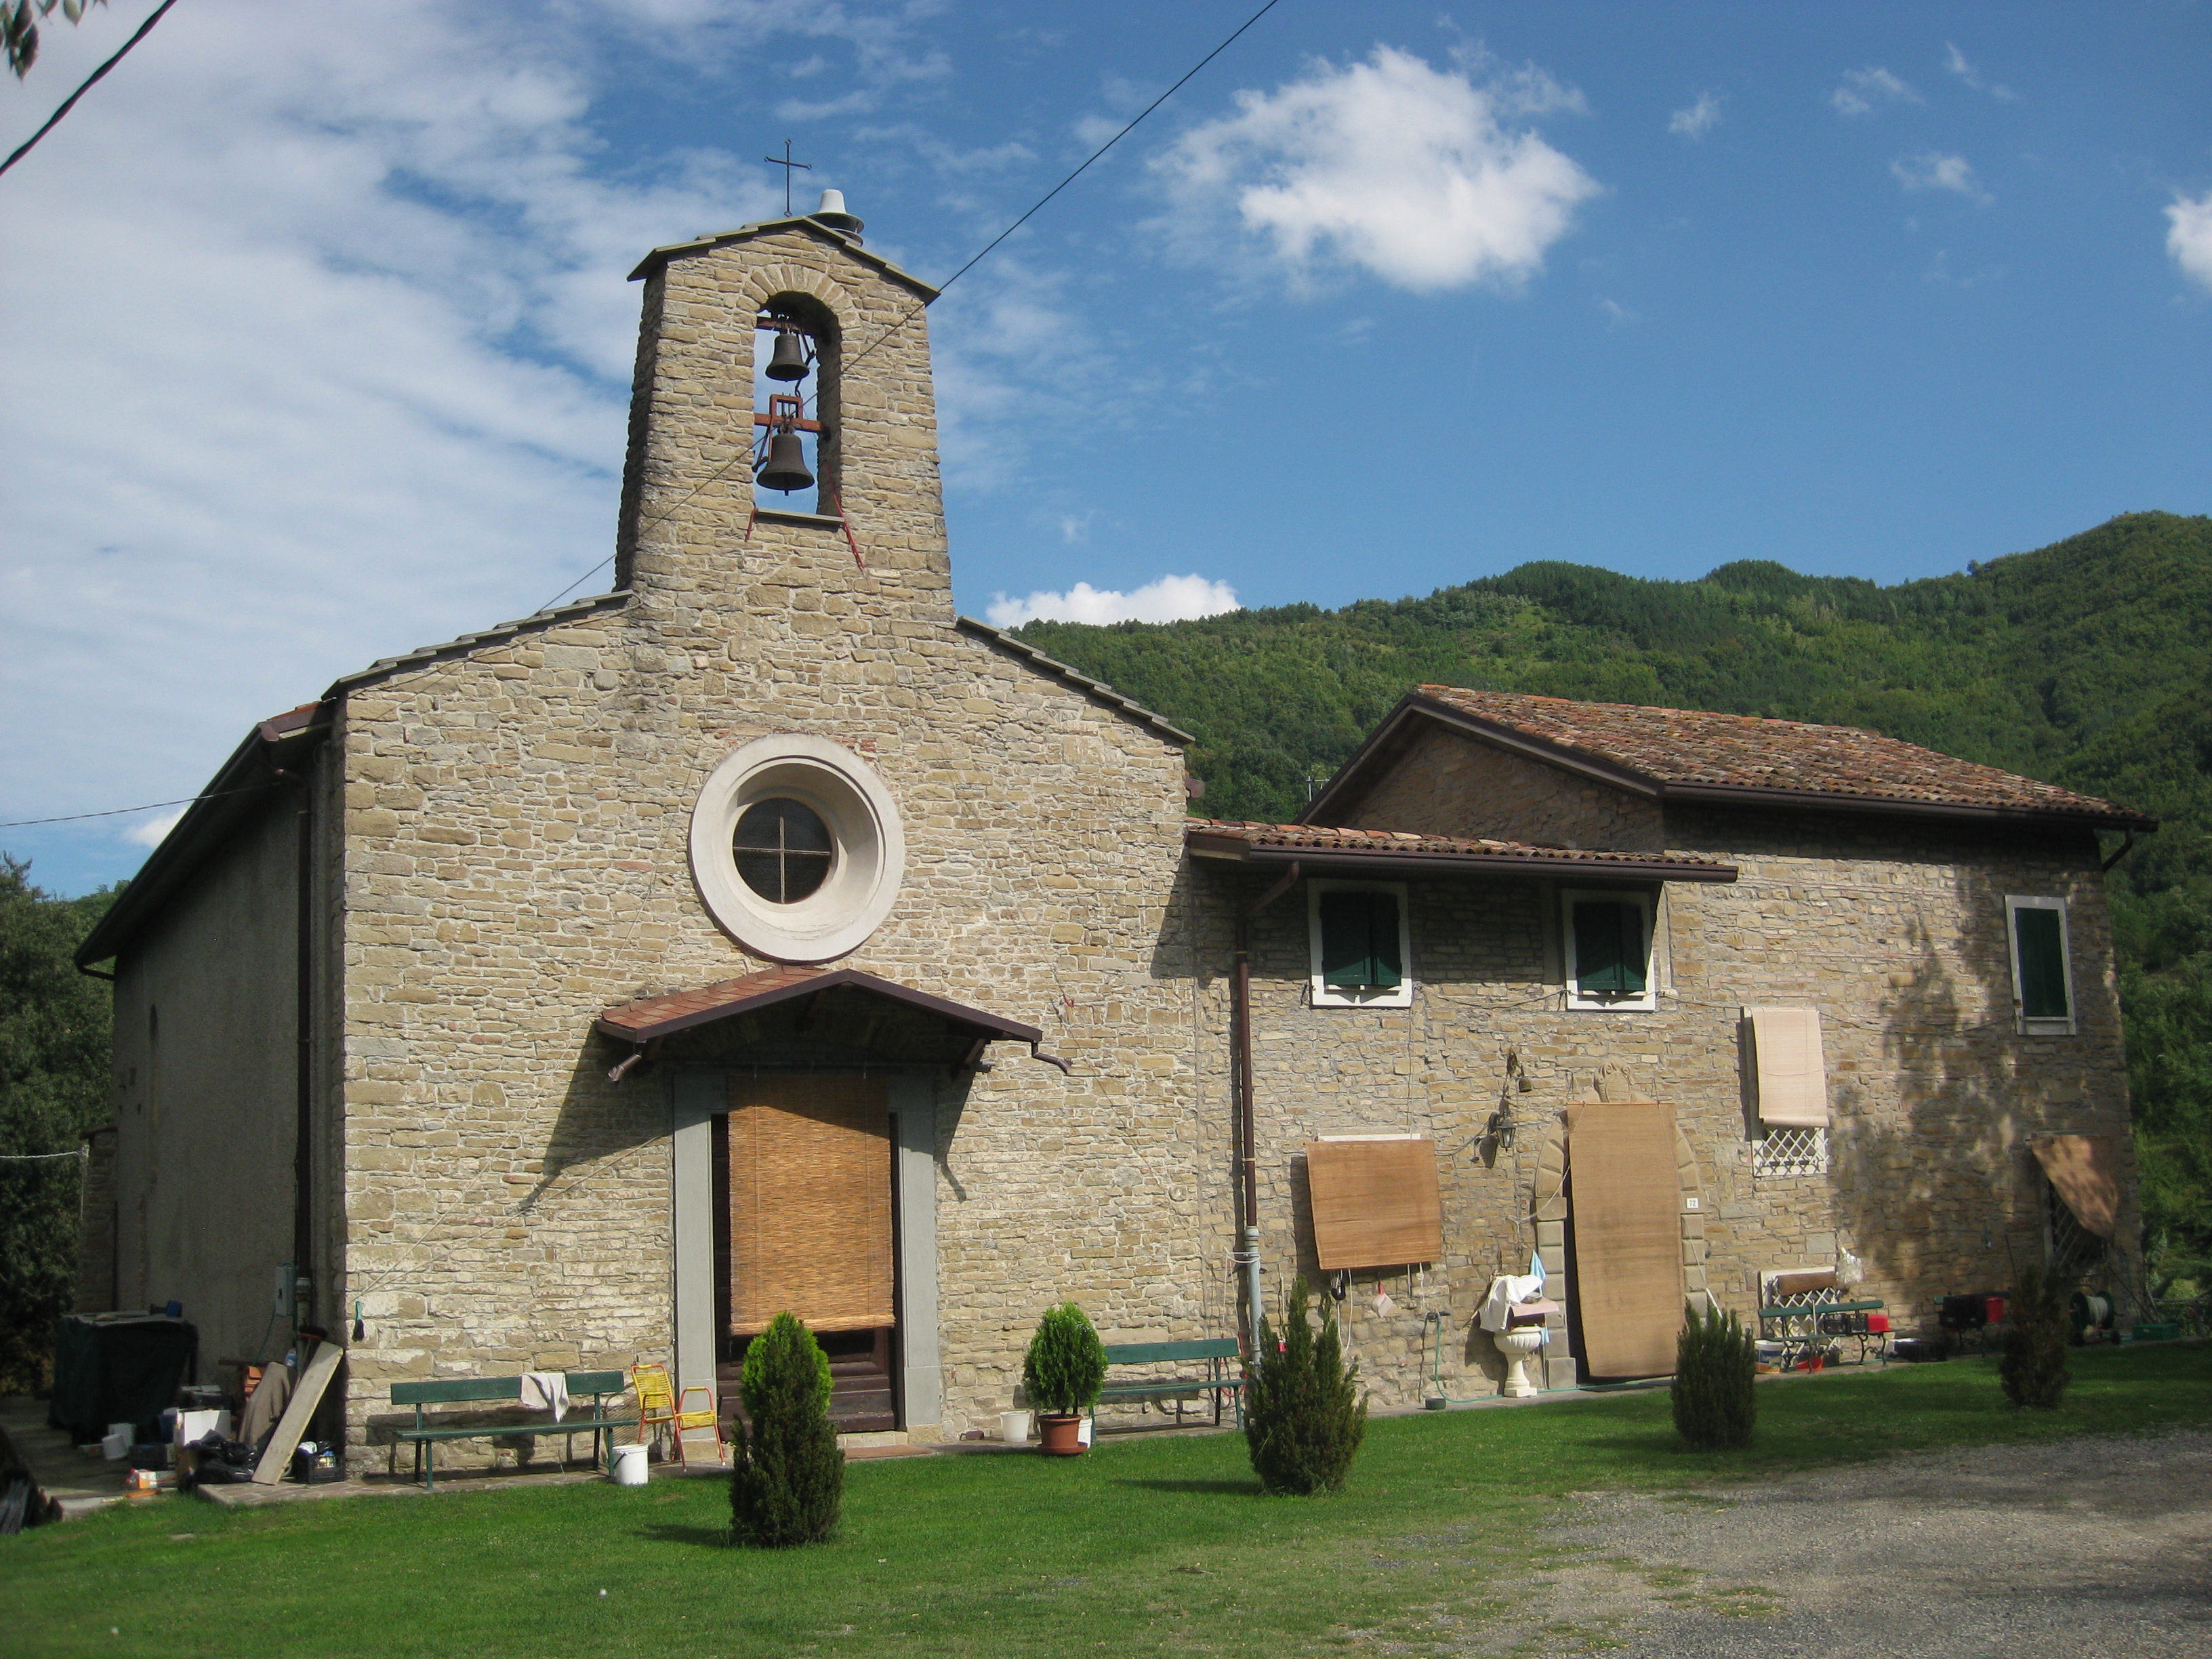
(1062, 1373)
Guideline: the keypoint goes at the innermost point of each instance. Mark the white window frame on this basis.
(1326, 996)
(1569, 897)
(2014, 904)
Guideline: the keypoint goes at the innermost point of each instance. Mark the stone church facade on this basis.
(762, 931)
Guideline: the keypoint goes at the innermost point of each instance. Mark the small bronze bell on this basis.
(788, 360)
(787, 464)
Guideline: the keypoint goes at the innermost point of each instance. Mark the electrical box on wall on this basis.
(286, 1294)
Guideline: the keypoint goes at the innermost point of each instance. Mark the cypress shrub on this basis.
(790, 1476)
(1066, 1365)
(2034, 1368)
(1716, 1365)
(1303, 1418)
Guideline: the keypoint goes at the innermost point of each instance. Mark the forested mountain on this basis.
(2087, 663)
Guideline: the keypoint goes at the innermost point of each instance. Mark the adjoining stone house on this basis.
(760, 935)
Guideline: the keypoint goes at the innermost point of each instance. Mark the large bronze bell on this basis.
(788, 360)
(787, 464)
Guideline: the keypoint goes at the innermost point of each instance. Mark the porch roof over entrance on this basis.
(652, 1017)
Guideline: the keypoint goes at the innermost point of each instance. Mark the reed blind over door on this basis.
(810, 1184)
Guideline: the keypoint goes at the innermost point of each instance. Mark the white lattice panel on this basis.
(1790, 1153)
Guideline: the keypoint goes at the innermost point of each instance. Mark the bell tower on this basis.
(783, 428)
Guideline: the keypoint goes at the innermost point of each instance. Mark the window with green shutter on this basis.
(1359, 940)
(2038, 946)
(1609, 948)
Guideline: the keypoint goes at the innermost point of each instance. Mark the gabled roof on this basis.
(649, 1019)
(1693, 756)
(1098, 689)
(468, 642)
(1377, 850)
(660, 255)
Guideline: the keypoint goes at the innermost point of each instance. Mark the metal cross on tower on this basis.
(789, 166)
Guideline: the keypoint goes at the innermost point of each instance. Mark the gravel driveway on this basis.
(2097, 1548)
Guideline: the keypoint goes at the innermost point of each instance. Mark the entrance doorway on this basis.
(805, 1222)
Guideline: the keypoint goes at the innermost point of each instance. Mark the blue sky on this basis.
(322, 338)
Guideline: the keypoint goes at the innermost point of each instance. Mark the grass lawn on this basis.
(1147, 1546)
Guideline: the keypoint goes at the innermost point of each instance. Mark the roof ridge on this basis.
(1083, 682)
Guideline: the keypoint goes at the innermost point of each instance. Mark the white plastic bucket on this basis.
(116, 1443)
(629, 1465)
(1014, 1428)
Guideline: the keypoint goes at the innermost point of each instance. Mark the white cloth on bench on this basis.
(546, 1391)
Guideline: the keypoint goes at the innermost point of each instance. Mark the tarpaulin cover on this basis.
(118, 1368)
(1790, 1071)
(2086, 1170)
(1628, 1236)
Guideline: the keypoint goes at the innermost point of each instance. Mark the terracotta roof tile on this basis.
(1687, 747)
(1398, 843)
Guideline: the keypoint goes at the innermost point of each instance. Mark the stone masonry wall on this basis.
(517, 821)
(1446, 778)
(1895, 930)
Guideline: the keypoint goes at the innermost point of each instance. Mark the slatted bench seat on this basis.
(1216, 1351)
(1799, 1326)
(508, 1390)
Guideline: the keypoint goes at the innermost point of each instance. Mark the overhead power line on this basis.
(118, 812)
(981, 255)
(69, 102)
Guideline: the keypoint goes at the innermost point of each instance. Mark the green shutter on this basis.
(1359, 942)
(1344, 940)
(1385, 969)
(2040, 938)
(1609, 954)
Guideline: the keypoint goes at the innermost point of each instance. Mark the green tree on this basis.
(789, 1481)
(1715, 1367)
(1304, 1416)
(54, 1058)
(2034, 1369)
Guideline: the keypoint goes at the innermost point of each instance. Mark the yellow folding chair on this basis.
(659, 1405)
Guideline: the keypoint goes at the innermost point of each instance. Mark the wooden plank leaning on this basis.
(321, 1367)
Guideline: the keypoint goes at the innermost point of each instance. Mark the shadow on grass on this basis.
(670, 1532)
(1233, 1488)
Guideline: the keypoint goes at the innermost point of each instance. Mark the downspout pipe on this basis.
(303, 1211)
(1247, 1252)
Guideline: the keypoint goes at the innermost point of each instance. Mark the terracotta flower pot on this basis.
(1063, 1436)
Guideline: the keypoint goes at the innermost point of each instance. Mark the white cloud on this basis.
(2188, 237)
(1864, 90)
(1389, 166)
(153, 831)
(332, 358)
(1954, 63)
(1171, 599)
(1936, 170)
(1698, 120)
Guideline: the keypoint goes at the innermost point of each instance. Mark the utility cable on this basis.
(983, 253)
(69, 102)
(118, 811)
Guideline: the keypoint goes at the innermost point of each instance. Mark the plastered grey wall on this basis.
(206, 1096)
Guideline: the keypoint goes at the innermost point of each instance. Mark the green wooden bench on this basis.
(1216, 1351)
(490, 1390)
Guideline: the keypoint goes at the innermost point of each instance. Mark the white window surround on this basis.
(1324, 996)
(1569, 897)
(863, 820)
(2014, 904)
